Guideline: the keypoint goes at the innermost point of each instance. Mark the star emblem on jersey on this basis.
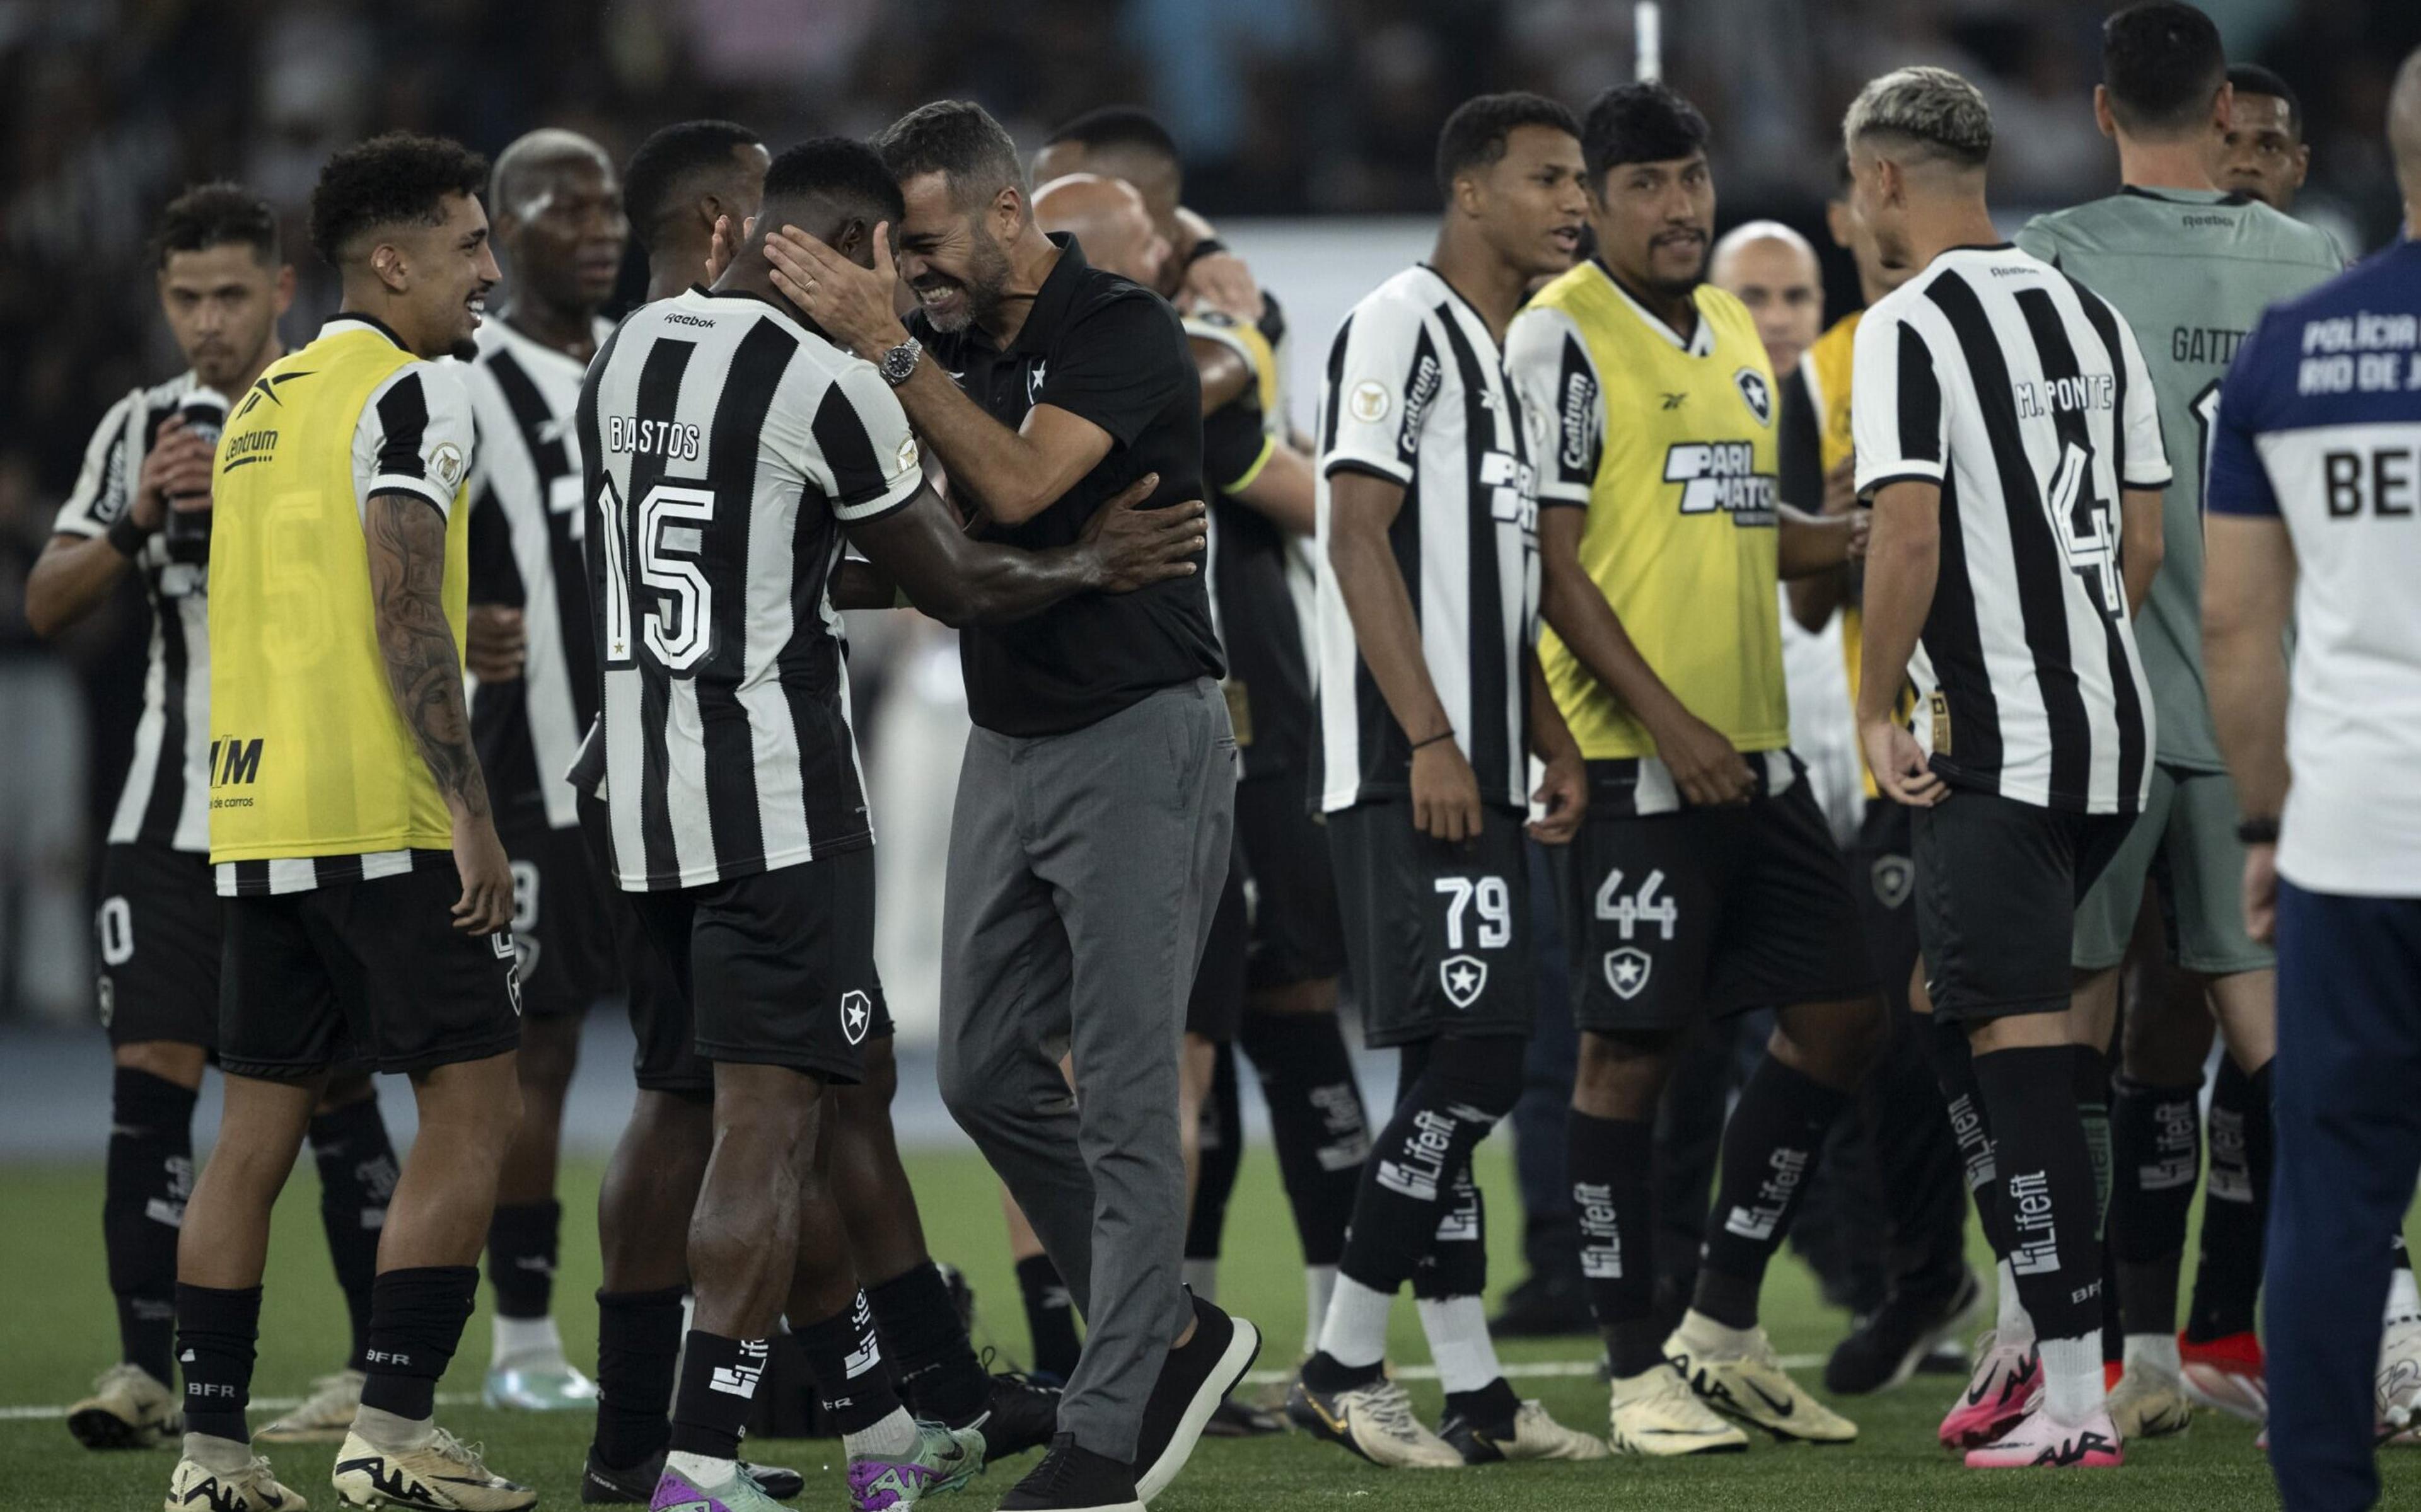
(1756, 393)
(1370, 401)
(1463, 977)
(856, 1015)
(1033, 383)
(1626, 970)
(1895, 877)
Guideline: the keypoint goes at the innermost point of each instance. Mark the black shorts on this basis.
(563, 923)
(158, 931)
(1437, 936)
(1216, 1005)
(1997, 885)
(776, 968)
(1883, 871)
(1672, 919)
(370, 971)
(1290, 889)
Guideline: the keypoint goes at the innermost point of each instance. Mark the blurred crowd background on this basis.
(1289, 110)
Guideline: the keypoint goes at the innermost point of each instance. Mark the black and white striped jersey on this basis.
(166, 800)
(1416, 394)
(724, 445)
(525, 550)
(2024, 395)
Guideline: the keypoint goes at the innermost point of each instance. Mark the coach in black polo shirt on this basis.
(1094, 808)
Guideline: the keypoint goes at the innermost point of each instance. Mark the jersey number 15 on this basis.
(663, 546)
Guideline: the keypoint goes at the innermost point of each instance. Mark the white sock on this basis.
(1718, 1340)
(701, 1471)
(1203, 1276)
(1318, 1286)
(383, 1430)
(520, 1338)
(2404, 1298)
(1355, 1333)
(2072, 1378)
(1458, 1342)
(2157, 1350)
(2017, 1326)
(223, 1457)
(895, 1436)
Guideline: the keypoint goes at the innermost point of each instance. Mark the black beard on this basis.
(465, 350)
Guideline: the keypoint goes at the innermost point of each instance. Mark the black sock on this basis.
(638, 1338)
(1922, 1182)
(2155, 1158)
(1457, 1264)
(2235, 1207)
(1323, 1373)
(1454, 1090)
(1769, 1151)
(1614, 1194)
(2091, 1070)
(718, 1382)
(932, 1362)
(845, 1361)
(417, 1318)
(1317, 1121)
(151, 1173)
(1490, 1408)
(521, 1256)
(357, 1175)
(2046, 1184)
(1223, 1157)
(1954, 1066)
(1050, 1316)
(216, 1333)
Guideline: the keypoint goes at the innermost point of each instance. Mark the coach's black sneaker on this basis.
(1544, 1306)
(1071, 1479)
(602, 1483)
(1887, 1345)
(1193, 1380)
(1025, 1414)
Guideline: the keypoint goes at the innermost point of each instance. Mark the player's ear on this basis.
(2101, 114)
(2222, 106)
(852, 240)
(392, 267)
(1009, 212)
(284, 298)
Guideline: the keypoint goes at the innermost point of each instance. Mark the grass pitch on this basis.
(57, 1329)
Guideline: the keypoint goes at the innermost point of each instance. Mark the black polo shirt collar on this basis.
(1051, 301)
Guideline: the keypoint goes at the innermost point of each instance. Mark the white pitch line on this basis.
(1519, 1370)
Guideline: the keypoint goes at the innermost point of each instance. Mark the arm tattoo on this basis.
(407, 547)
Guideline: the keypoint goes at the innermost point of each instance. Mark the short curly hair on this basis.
(399, 178)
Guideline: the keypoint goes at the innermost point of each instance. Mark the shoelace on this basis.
(472, 1456)
(1391, 1411)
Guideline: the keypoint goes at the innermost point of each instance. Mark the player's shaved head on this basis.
(523, 173)
(1110, 218)
(1120, 142)
(1773, 269)
(680, 166)
(2404, 129)
(834, 188)
(1756, 233)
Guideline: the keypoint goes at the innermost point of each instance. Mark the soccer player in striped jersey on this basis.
(2190, 266)
(727, 445)
(1430, 704)
(222, 284)
(684, 182)
(559, 231)
(1705, 881)
(2010, 439)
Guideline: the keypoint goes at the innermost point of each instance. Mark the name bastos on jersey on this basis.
(724, 446)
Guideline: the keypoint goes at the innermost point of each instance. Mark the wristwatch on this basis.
(896, 365)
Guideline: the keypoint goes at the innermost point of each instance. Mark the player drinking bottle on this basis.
(188, 531)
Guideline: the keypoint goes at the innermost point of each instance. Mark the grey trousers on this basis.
(1084, 869)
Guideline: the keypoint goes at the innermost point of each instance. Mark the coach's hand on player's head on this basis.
(1445, 792)
(495, 643)
(179, 465)
(486, 905)
(1134, 547)
(1710, 772)
(851, 302)
(2261, 893)
(1899, 764)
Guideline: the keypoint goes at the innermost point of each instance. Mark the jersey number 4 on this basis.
(663, 548)
(2080, 517)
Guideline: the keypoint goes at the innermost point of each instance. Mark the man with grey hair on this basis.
(1091, 836)
(2000, 411)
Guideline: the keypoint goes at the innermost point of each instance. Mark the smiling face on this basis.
(222, 303)
(1654, 222)
(440, 277)
(2257, 152)
(564, 237)
(951, 256)
(1529, 202)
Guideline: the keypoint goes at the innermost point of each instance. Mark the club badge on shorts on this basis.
(1895, 877)
(856, 1015)
(1626, 970)
(1463, 978)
